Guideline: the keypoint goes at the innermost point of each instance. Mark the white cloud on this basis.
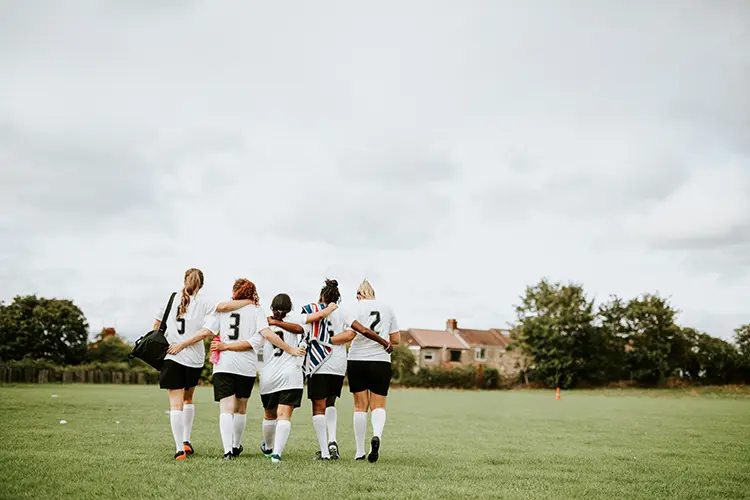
(451, 152)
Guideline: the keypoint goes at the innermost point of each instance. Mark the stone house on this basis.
(456, 346)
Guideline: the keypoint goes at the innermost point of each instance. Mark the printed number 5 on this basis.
(376, 322)
(234, 327)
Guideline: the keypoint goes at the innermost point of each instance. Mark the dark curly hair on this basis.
(281, 305)
(330, 294)
(244, 289)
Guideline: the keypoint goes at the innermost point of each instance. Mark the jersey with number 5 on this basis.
(185, 327)
(379, 318)
(244, 324)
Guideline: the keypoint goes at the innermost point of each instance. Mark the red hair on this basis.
(244, 289)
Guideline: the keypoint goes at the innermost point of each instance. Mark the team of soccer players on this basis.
(240, 330)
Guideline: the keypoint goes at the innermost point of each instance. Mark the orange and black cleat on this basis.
(180, 455)
(188, 447)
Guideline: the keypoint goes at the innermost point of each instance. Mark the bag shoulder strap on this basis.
(163, 324)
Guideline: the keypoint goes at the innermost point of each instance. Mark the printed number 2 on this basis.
(181, 326)
(234, 327)
(376, 322)
(277, 351)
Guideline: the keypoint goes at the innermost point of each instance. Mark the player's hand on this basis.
(175, 349)
(218, 345)
(332, 306)
(297, 352)
(272, 321)
(388, 347)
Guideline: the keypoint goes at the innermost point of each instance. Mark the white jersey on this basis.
(336, 363)
(379, 318)
(185, 327)
(281, 370)
(244, 324)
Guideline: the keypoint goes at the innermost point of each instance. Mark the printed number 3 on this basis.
(376, 322)
(277, 351)
(181, 326)
(234, 327)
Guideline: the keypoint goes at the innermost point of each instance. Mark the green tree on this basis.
(402, 361)
(614, 333)
(742, 341)
(718, 360)
(39, 328)
(650, 336)
(556, 330)
(108, 347)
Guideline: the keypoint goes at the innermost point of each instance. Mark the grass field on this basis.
(437, 444)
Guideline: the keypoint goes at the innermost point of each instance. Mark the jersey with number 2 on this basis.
(379, 318)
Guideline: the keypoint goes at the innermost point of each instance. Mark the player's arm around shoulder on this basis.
(278, 342)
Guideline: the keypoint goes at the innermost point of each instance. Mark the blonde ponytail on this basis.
(193, 283)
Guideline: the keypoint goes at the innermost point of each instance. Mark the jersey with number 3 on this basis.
(185, 327)
(244, 324)
(282, 371)
(379, 318)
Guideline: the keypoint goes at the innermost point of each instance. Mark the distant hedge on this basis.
(463, 377)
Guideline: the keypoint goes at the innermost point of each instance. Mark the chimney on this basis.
(451, 325)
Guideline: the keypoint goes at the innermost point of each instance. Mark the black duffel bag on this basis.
(152, 347)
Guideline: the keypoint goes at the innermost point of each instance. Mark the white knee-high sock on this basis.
(331, 423)
(177, 423)
(238, 422)
(226, 428)
(360, 430)
(283, 429)
(319, 422)
(269, 432)
(378, 422)
(188, 411)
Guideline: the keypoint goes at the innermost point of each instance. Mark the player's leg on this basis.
(361, 402)
(379, 382)
(239, 419)
(331, 417)
(176, 421)
(188, 413)
(226, 424)
(283, 429)
(319, 423)
(269, 430)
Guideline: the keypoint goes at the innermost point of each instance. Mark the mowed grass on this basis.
(437, 444)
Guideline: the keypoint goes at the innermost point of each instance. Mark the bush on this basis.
(464, 377)
(43, 371)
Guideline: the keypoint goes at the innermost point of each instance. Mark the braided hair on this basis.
(193, 283)
(330, 293)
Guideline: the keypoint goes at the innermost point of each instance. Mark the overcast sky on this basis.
(451, 152)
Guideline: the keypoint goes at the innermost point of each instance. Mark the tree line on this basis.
(570, 341)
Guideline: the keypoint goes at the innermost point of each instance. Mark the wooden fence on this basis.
(29, 375)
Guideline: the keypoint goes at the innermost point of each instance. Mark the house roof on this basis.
(435, 338)
(491, 337)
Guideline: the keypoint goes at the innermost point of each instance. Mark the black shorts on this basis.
(173, 375)
(324, 386)
(231, 384)
(289, 397)
(373, 376)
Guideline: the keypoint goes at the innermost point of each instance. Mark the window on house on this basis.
(455, 356)
(428, 356)
(480, 354)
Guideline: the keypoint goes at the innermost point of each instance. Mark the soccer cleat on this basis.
(276, 459)
(266, 452)
(180, 455)
(333, 449)
(359, 458)
(319, 456)
(236, 451)
(228, 456)
(188, 448)
(374, 448)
